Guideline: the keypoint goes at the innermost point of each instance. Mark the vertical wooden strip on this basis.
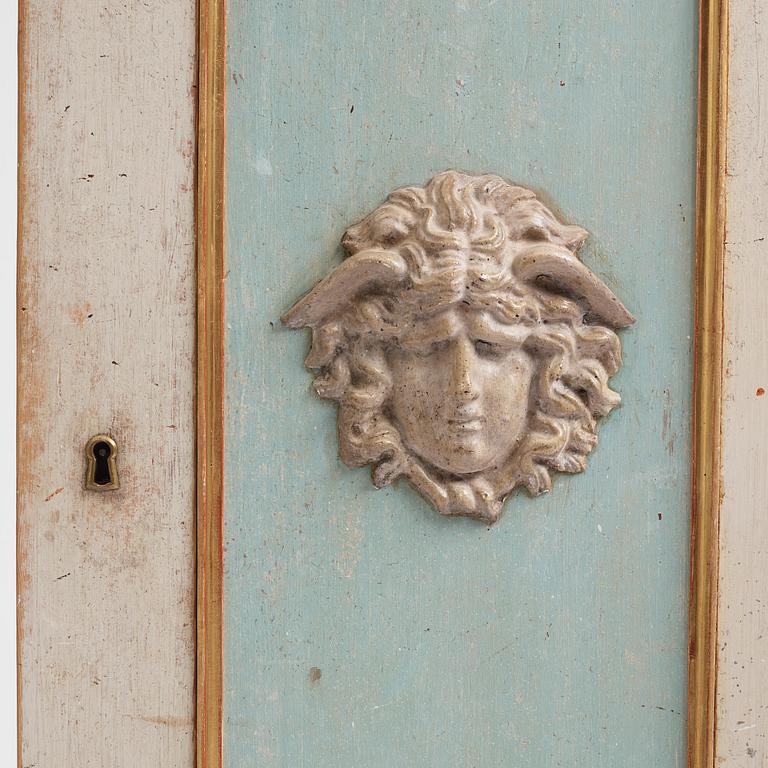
(106, 335)
(710, 235)
(742, 692)
(210, 381)
(23, 45)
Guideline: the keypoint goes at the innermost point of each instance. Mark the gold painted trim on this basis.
(211, 140)
(707, 394)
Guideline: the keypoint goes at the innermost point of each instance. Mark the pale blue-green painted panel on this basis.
(557, 637)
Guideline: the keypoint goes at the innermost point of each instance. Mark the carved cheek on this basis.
(416, 403)
(419, 401)
(506, 397)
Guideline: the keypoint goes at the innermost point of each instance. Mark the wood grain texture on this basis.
(707, 390)
(742, 692)
(106, 344)
(210, 377)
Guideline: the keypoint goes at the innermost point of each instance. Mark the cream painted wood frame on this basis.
(742, 647)
(109, 315)
(106, 339)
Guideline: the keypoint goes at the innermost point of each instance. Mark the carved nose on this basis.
(462, 364)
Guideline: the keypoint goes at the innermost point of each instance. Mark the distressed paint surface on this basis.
(106, 343)
(742, 693)
(361, 628)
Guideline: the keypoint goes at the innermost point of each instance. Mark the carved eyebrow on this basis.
(482, 326)
(424, 332)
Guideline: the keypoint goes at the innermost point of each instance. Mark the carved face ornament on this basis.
(467, 345)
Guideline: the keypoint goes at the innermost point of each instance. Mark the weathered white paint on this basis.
(742, 685)
(106, 344)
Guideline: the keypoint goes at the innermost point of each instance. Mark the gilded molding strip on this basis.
(210, 378)
(708, 357)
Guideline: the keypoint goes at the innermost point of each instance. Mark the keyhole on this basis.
(101, 455)
(101, 473)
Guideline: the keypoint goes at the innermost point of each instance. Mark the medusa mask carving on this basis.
(467, 346)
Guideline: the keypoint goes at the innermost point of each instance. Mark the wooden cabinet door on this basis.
(406, 321)
(545, 157)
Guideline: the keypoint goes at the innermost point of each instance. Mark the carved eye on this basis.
(535, 232)
(428, 348)
(488, 349)
(389, 304)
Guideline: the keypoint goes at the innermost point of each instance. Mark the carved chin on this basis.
(467, 462)
(463, 452)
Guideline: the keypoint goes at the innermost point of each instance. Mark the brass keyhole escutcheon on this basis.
(101, 455)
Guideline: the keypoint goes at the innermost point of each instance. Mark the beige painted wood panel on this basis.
(742, 685)
(106, 344)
